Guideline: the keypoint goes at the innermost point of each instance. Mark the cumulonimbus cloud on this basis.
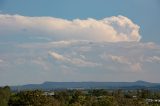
(111, 29)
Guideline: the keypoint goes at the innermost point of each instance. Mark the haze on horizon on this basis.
(58, 40)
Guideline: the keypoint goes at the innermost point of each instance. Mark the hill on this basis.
(88, 85)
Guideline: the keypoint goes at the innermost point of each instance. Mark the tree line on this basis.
(91, 97)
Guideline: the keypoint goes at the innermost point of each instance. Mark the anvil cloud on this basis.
(110, 29)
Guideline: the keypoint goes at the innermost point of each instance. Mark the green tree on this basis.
(106, 101)
(5, 93)
(32, 98)
(62, 96)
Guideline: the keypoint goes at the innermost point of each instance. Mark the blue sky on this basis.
(79, 40)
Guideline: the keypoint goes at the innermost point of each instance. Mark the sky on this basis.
(79, 40)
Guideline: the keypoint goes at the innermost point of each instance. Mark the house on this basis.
(49, 93)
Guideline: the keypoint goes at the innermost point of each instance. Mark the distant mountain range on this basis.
(89, 85)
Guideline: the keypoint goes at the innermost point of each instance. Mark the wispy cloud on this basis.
(1, 61)
(136, 67)
(72, 60)
(57, 56)
(124, 60)
(119, 59)
(153, 59)
(82, 58)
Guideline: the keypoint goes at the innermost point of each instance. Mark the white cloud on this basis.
(63, 43)
(153, 59)
(1, 61)
(71, 60)
(119, 59)
(156, 58)
(57, 56)
(129, 56)
(134, 60)
(125, 61)
(136, 67)
(82, 63)
(42, 63)
(111, 29)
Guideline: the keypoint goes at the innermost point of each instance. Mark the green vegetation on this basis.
(4, 96)
(91, 97)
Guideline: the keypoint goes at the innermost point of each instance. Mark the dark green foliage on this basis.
(105, 101)
(4, 95)
(145, 93)
(63, 97)
(32, 98)
(98, 92)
